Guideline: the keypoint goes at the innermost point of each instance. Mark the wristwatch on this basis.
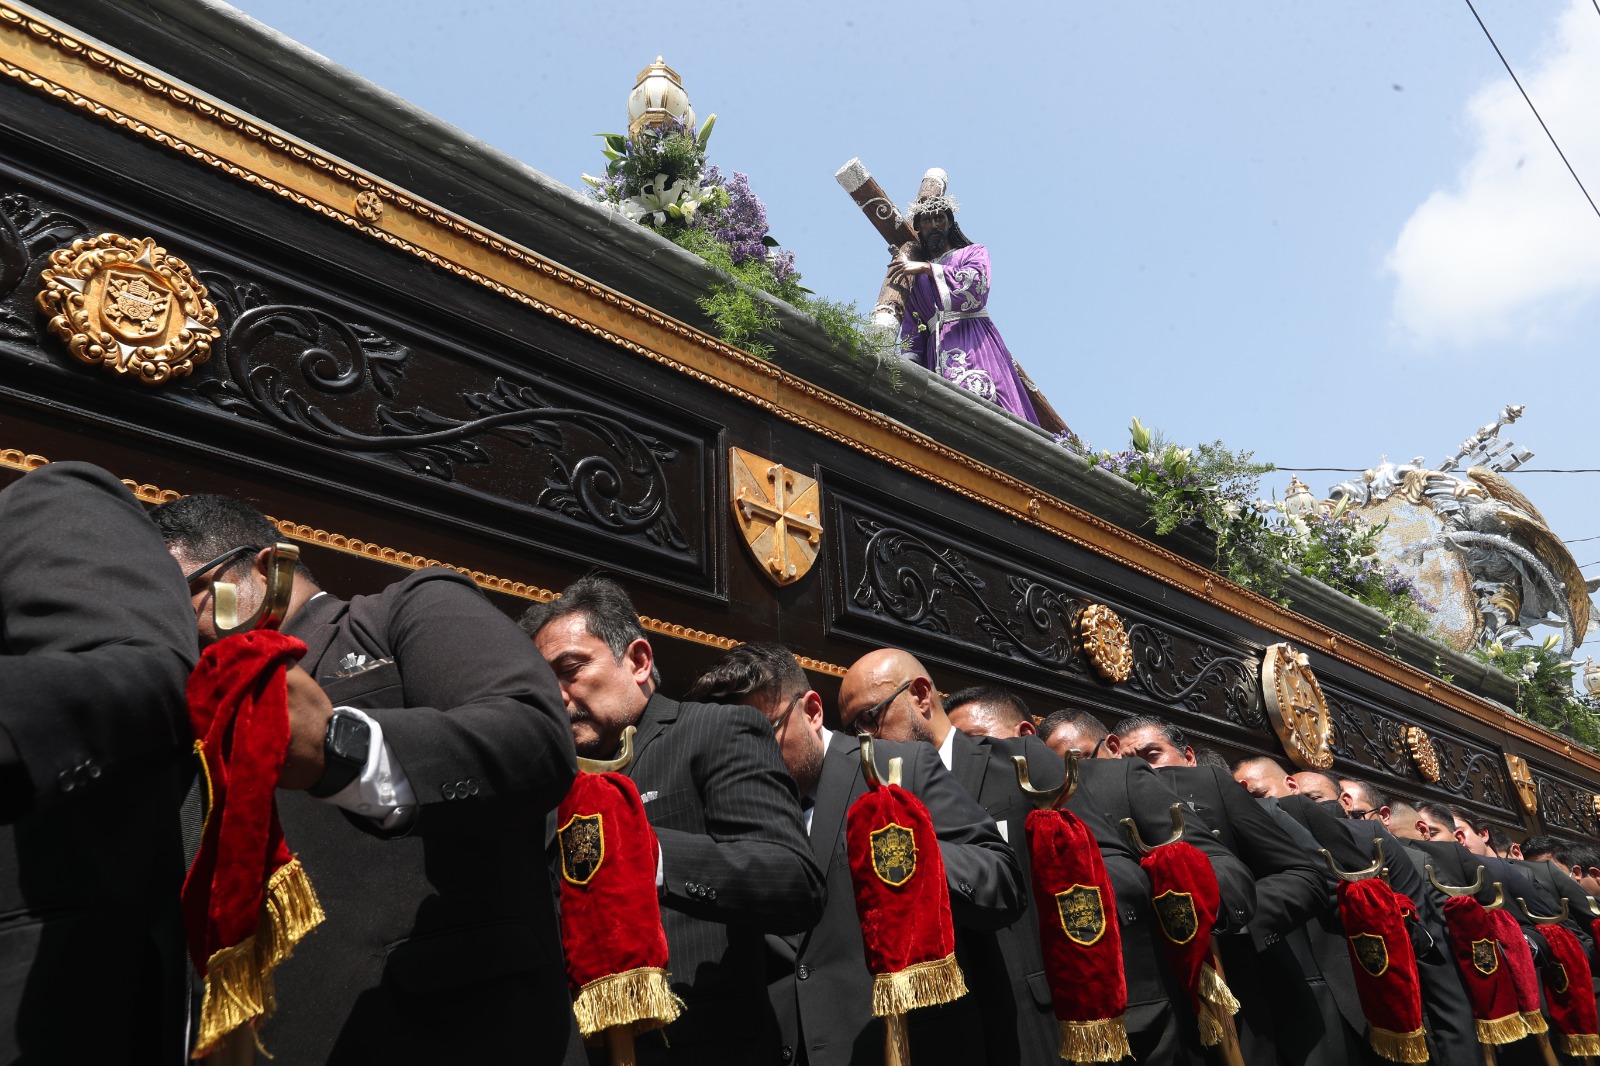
(344, 752)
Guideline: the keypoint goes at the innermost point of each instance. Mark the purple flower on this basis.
(743, 223)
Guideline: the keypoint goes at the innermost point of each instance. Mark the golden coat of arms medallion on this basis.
(894, 854)
(583, 847)
(1083, 914)
(128, 306)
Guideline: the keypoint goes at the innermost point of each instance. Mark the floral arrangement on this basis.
(1212, 487)
(1545, 693)
(660, 178)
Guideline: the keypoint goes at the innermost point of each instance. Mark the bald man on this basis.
(889, 695)
(1262, 777)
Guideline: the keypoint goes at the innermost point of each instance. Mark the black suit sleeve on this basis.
(98, 638)
(754, 851)
(1289, 890)
(986, 889)
(475, 700)
(1150, 800)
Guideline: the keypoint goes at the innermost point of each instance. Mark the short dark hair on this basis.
(1478, 822)
(1369, 795)
(1084, 722)
(1541, 847)
(1005, 704)
(1210, 757)
(1172, 733)
(204, 526)
(1332, 781)
(1583, 856)
(607, 613)
(754, 670)
(1438, 812)
(1500, 841)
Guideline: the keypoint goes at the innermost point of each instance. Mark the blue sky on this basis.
(1322, 232)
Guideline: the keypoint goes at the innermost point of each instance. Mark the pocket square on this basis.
(646, 797)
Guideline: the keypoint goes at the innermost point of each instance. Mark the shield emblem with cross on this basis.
(778, 512)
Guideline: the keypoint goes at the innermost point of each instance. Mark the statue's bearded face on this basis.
(934, 232)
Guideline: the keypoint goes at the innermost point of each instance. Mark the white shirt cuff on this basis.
(381, 791)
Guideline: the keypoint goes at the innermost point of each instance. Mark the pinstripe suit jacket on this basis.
(736, 865)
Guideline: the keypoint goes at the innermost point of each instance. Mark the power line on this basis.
(1580, 540)
(1363, 470)
(1518, 82)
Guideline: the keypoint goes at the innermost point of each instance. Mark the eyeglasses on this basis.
(1359, 814)
(221, 562)
(778, 722)
(868, 721)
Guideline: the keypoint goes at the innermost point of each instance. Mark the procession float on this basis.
(228, 265)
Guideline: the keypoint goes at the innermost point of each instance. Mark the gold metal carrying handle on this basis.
(1456, 890)
(869, 766)
(281, 560)
(1560, 916)
(1049, 798)
(623, 759)
(1365, 873)
(1175, 812)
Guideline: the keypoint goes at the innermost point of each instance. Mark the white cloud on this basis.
(1513, 242)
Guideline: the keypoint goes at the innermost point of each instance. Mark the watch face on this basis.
(348, 739)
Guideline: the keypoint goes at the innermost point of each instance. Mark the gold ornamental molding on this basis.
(1420, 748)
(1104, 642)
(17, 459)
(1296, 707)
(1522, 780)
(778, 515)
(125, 304)
(49, 58)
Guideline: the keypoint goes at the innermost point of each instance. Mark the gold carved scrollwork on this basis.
(1420, 748)
(1522, 780)
(127, 305)
(1296, 707)
(1104, 642)
(777, 511)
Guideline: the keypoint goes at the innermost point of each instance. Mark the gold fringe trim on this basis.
(1536, 1022)
(290, 911)
(1105, 1040)
(1217, 1004)
(238, 985)
(922, 984)
(1398, 1047)
(641, 999)
(1578, 1045)
(1507, 1030)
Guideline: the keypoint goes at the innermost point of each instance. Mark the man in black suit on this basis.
(1290, 892)
(734, 862)
(427, 743)
(818, 981)
(96, 641)
(1159, 1022)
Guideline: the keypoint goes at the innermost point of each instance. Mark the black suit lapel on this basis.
(969, 761)
(658, 713)
(841, 769)
(316, 624)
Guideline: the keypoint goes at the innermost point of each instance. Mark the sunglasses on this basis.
(221, 562)
(868, 721)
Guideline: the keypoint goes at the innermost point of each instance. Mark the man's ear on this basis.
(1026, 729)
(639, 658)
(1290, 783)
(1384, 814)
(1113, 746)
(1188, 756)
(921, 689)
(811, 707)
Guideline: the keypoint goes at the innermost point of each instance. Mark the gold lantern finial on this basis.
(658, 98)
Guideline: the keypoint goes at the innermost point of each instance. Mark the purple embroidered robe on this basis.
(959, 341)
